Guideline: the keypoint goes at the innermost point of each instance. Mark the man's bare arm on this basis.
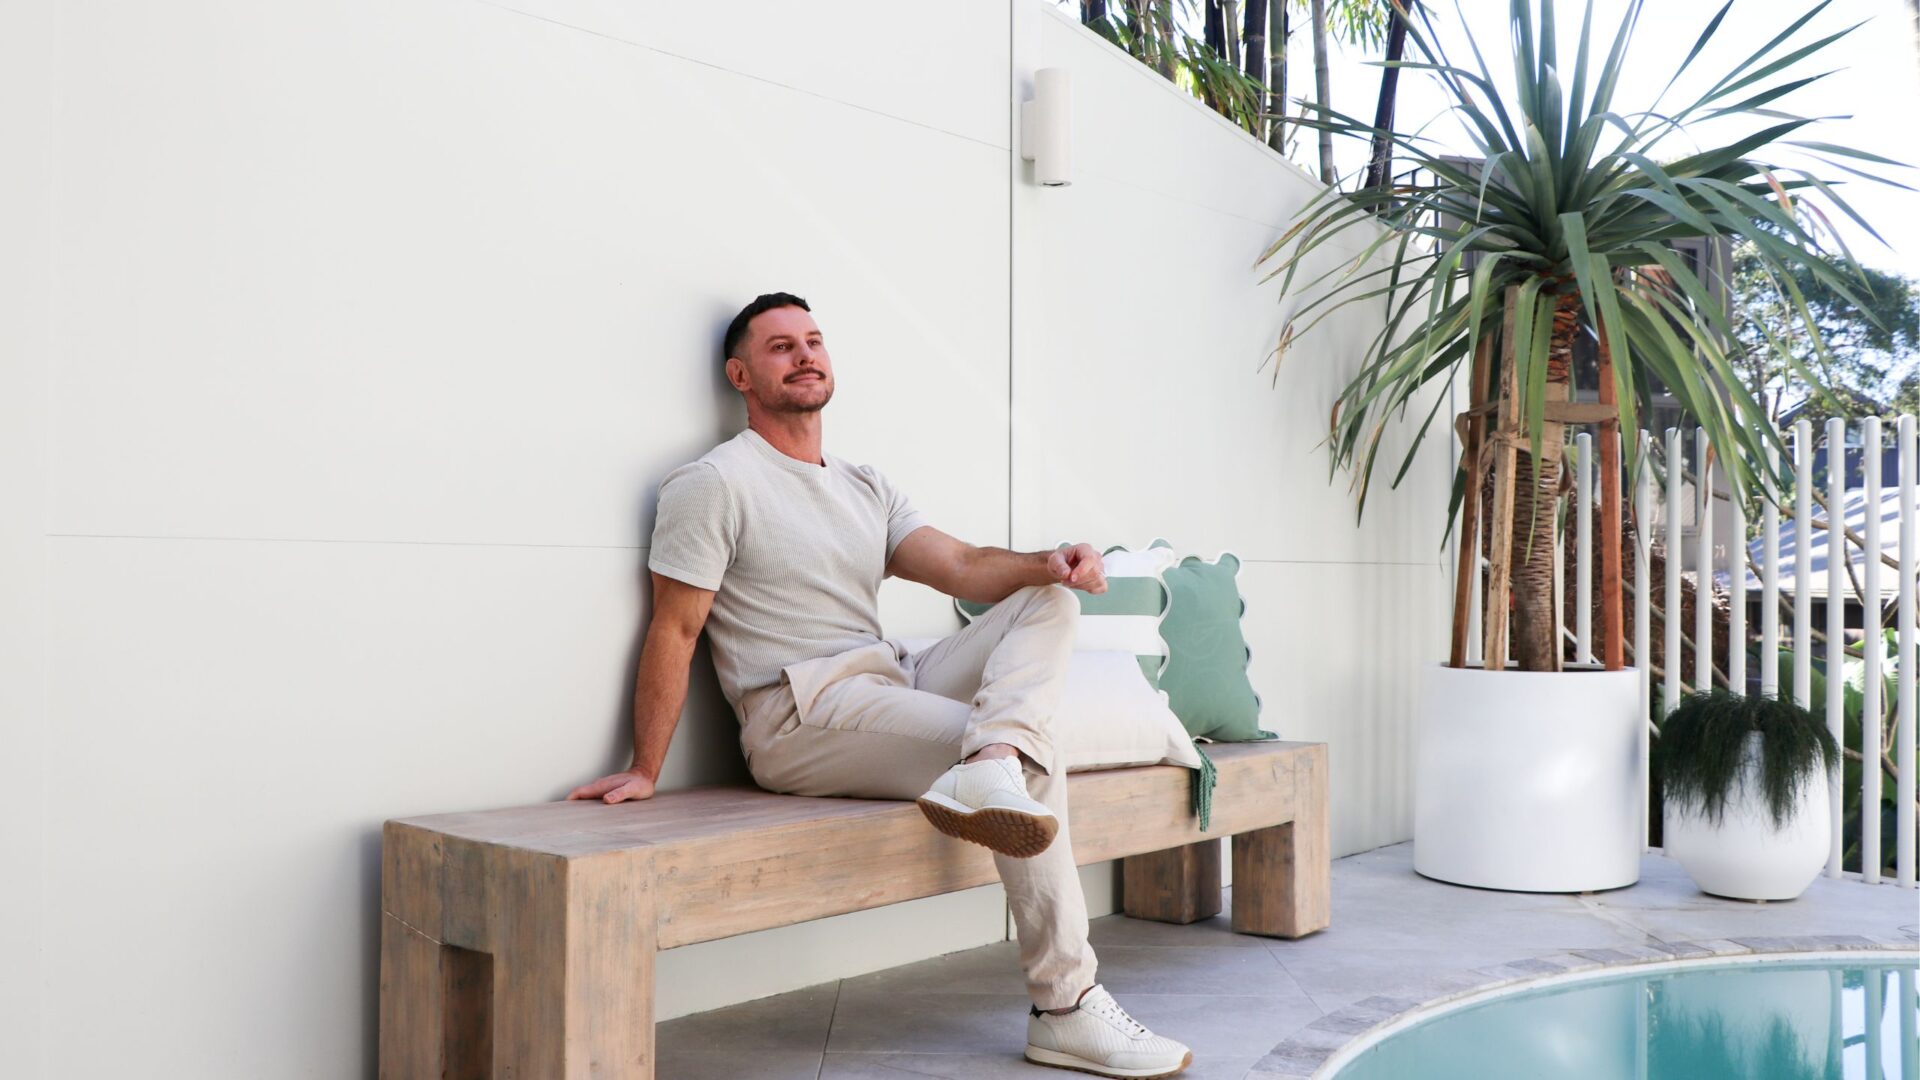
(660, 689)
(987, 575)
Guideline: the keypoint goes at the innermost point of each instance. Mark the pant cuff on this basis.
(1038, 751)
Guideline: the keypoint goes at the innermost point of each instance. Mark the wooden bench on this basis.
(520, 943)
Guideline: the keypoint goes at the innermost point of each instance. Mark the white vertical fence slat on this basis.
(1769, 578)
(1903, 667)
(1643, 612)
(1736, 597)
(1560, 598)
(1840, 588)
(1871, 649)
(1836, 620)
(1702, 564)
(1802, 563)
(1583, 561)
(1670, 684)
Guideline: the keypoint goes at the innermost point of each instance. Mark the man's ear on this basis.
(736, 372)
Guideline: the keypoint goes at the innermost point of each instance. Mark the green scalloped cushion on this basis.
(1205, 676)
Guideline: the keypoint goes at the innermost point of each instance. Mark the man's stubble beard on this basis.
(790, 406)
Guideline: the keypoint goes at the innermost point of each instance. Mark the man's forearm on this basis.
(659, 694)
(990, 574)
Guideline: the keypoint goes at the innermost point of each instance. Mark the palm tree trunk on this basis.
(1380, 163)
(1536, 635)
(1216, 39)
(1279, 27)
(1232, 30)
(1254, 46)
(1322, 83)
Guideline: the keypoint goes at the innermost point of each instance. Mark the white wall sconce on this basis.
(1046, 128)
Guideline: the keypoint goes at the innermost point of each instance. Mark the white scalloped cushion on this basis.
(1110, 717)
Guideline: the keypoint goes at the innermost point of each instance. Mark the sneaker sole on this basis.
(1008, 832)
(1054, 1059)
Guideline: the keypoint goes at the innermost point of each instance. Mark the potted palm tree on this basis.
(1526, 775)
(1745, 785)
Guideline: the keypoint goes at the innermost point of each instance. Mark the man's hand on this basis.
(1078, 567)
(621, 786)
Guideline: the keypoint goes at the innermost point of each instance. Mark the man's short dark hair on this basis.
(737, 329)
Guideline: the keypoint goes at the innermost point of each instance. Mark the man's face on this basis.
(783, 362)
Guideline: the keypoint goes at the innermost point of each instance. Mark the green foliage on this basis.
(1702, 748)
(1572, 200)
(1353, 22)
(1863, 343)
(1155, 33)
(1853, 705)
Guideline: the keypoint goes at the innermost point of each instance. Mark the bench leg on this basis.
(1178, 885)
(1282, 875)
(573, 956)
(513, 964)
(426, 987)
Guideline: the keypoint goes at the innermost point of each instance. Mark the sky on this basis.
(1874, 89)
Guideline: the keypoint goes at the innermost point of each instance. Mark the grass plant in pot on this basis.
(1745, 785)
(1567, 229)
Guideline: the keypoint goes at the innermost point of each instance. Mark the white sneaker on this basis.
(986, 802)
(1100, 1038)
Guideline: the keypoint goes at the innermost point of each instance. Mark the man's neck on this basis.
(796, 435)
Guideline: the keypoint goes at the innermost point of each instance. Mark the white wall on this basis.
(356, 337)
(1144, 412)
(26, 117)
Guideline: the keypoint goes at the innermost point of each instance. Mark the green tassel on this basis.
(1204, 778)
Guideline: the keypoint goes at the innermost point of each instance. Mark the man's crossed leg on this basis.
(965, 727)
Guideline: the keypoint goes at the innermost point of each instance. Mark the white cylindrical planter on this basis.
(1744, 856)
(1529, 781)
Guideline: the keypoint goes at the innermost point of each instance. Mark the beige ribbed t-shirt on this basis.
(793, 551)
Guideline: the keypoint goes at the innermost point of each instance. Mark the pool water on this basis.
(1763, 1021)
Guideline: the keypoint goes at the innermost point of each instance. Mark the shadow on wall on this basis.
(706, 745)
(368, 857)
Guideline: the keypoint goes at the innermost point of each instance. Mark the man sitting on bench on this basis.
(777, 550)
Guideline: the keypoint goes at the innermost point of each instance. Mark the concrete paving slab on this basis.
(1264, 1007)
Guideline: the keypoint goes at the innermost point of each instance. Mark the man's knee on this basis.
(1055, 600)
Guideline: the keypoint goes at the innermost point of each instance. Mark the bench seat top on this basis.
(692, 815)
(725, 860)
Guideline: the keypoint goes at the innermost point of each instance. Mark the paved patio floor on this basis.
(1235, 999)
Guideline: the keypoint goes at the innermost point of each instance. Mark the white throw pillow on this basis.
(1146, 562)
(1110, 717)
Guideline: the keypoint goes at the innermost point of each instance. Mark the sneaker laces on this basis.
(1108, 1009)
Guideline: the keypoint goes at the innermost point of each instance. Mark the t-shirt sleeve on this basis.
(693, 532)
(902, 518)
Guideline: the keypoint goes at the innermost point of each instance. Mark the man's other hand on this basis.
(1079, 567)
(621, 786)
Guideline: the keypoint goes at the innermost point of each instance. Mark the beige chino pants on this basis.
(878, 722)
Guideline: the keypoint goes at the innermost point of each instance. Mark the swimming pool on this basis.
(1774, 1020)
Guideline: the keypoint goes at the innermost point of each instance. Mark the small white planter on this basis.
(1744, 856)
(1529, 781)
